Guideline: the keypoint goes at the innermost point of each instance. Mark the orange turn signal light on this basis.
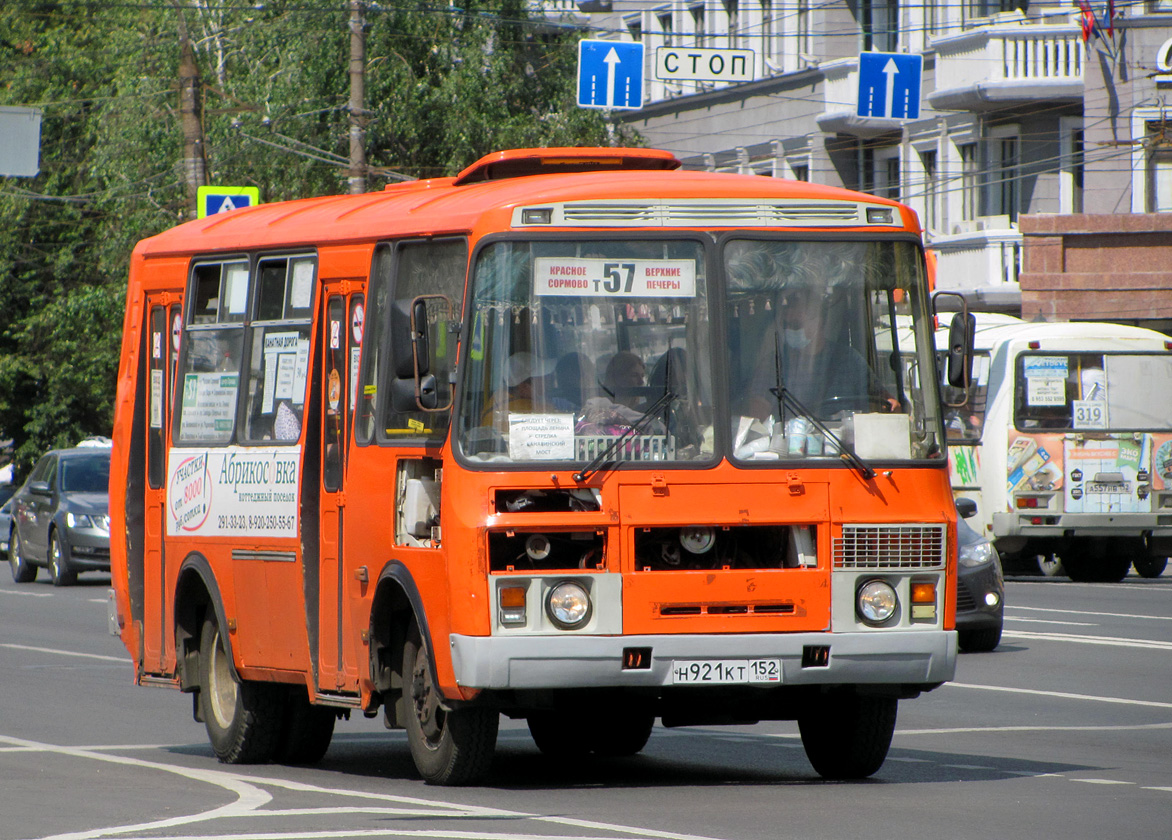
(512, 597)
(923, 593)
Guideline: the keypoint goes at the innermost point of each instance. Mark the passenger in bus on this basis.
(623, 403)
(574, 378)
(670, 373)
(528, 389)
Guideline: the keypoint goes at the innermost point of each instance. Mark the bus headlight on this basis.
(568, 605)
(876, 601)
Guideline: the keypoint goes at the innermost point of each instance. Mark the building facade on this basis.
(1028, 108)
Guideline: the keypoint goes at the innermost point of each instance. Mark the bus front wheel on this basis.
(847, 736)
(448, 746)
(243, 719)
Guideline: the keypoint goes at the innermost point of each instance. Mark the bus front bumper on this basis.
(917, 658)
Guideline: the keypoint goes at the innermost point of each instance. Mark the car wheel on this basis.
(58, 566)
(847, 735)
(979, 641)
(448, 746)
(22, 570)
(1150, 567)
(243, 719)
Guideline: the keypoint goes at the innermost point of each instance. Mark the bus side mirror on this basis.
(410, 352)
(404, 397)
(960, 349)
(966, 508)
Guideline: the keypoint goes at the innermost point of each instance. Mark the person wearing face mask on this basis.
(813, 363)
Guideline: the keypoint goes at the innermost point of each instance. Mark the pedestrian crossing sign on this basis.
(216, 199)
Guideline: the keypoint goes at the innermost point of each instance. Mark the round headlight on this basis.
(877, 601)
(568, 605)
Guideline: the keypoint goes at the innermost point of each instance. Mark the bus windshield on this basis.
(575, 344)
(580, 346)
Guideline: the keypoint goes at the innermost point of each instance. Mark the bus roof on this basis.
(1065, 335)
(490, 189)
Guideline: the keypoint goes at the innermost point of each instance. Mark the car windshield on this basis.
(88, 474)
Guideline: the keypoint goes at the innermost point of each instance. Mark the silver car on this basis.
(60, 517)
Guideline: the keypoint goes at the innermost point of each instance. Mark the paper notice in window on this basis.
(541, 437)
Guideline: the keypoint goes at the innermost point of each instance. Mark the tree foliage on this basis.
(444, 86)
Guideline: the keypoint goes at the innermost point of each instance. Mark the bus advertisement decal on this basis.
(234, 491)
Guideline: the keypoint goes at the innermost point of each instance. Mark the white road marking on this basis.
(1051, 621)
(1016, 607)
(1102, 781)
(122, 659)
(1063, 694)
(26, 593)
(251, 799)
(1109, 641)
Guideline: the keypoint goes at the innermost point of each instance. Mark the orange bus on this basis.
(577, 437)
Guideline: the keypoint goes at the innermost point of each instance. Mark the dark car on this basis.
(980, 588)
(60, 516)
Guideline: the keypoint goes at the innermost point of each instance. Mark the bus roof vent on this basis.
(516, 163)
(714, 212)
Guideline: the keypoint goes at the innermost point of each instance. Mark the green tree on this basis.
(444, 86)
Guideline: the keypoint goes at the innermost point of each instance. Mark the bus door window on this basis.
(158, 363)
(279, 350)
(206, 404)
(337, 381)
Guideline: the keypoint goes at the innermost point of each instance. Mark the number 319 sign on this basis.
(614, 278)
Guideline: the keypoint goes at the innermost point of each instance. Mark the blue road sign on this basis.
(610, 74)
(889, 85)
(217, 199)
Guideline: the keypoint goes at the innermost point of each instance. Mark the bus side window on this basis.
(207, 396)
(159, 345)
(278, 368)
(337, 383)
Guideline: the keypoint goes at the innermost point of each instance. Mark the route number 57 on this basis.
(613, 278)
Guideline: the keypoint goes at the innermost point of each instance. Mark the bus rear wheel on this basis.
(847, 736)
(243, 718)
(306, 732)
(1101, 559)
(448, 746)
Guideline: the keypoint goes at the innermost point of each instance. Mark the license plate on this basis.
(725, 671)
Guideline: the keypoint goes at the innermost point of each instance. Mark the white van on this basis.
(1064, 441)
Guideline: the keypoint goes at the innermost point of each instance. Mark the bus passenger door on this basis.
(163, 320)
(343, 324)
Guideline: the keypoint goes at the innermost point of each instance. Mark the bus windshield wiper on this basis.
(665, 399)
(786, 399)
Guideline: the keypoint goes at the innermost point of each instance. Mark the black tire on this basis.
(22, 570)
(306, 732)
(847, 736)
(1150, 567)
(561, 735)
(1097, 569)
(243, 719)
(449, 747)
(979, 641)
(59, 569)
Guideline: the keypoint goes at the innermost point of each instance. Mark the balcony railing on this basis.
(1004, 62)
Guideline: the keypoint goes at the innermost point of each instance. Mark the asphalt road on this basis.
(1064, 731)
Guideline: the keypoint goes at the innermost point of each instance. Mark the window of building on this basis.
(1159, 167)
(697, 13)
(803, 46)
(1003, 177)
(664, 19)
(801, 171)
(969, 185)
(1070, 197)
(880, 25)
(732, 13)
(931, 220)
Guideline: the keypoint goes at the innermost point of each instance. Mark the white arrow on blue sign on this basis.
(610, 74)
(889, 85)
